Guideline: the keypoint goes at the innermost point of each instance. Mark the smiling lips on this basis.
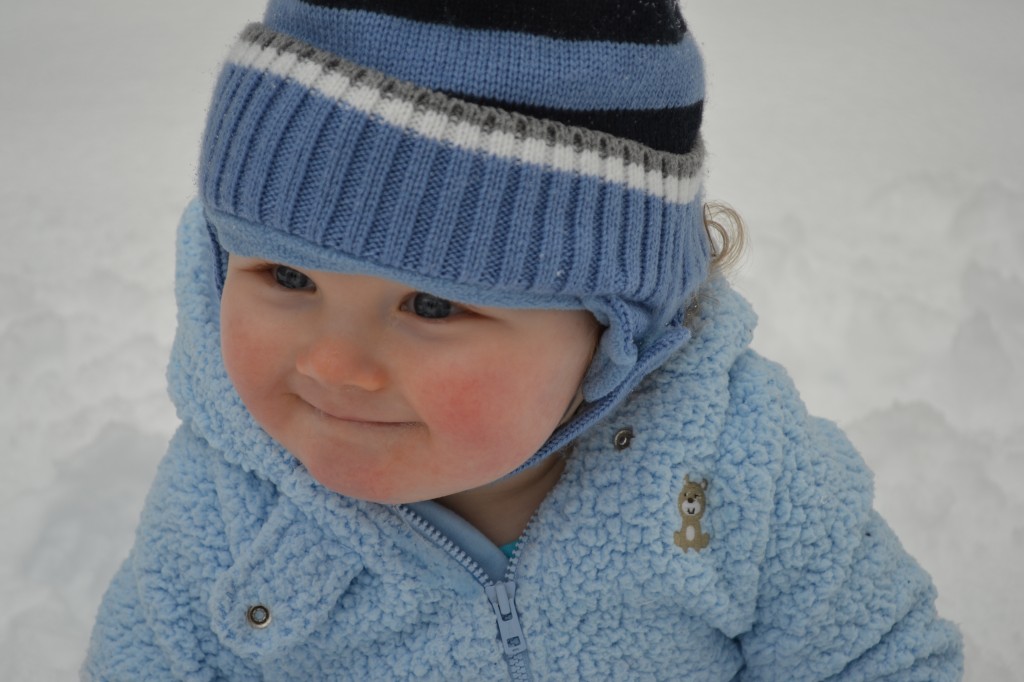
(351, 419)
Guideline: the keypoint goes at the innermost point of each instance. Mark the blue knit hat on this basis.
(529, 154)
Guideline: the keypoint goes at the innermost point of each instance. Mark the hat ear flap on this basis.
(220, 257)
(617, 351)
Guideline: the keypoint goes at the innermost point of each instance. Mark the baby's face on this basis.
(392, 395)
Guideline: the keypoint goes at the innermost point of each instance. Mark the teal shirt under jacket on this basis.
(797, 579)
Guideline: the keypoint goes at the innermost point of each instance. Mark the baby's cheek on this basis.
(253, 360)
(242, 350)
(462, 404)
(488, 412)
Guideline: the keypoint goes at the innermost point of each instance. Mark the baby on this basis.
(463, 393)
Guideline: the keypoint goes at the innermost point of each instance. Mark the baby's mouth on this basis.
(352, 417)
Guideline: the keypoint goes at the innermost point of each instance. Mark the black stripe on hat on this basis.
(673, 130)
(652, 22)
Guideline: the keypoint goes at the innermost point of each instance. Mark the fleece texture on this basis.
(800, 579)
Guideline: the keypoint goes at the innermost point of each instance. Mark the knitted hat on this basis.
(529, 154)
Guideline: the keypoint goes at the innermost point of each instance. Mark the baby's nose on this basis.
(342, 361)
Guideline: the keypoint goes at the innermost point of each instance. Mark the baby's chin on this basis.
(402, 465)
(380, 485)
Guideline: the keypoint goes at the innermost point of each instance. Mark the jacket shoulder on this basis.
(766, 414)
(836, 592)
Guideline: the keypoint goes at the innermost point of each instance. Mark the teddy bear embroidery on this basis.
(692, 502)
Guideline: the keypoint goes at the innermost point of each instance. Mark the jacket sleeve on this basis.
(153, 622)
(838, 597)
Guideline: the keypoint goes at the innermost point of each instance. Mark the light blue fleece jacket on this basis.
(800, 578)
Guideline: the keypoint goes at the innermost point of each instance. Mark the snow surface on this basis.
(873, 148)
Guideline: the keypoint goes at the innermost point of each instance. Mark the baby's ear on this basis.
(686, 479)
(704, 484)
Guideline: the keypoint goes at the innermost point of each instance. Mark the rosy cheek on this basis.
(246, 348)
(462, 407)
(488, 411)
(239, 349)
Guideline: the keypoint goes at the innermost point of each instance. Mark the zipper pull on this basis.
(503, 601)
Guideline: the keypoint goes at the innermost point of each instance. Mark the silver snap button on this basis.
(622, 438)
(258, 616)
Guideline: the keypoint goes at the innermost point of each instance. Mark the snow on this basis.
(872, 148)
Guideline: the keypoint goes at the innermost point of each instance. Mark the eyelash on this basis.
(450, 308)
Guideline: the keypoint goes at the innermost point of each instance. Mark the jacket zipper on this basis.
(517, 656)
(502, 595)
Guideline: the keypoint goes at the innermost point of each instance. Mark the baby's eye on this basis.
(430, 307)
(290, 278)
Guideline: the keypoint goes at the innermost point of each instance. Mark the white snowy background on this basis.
(874, 149)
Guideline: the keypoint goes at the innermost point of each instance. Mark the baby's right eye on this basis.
(290, 278)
